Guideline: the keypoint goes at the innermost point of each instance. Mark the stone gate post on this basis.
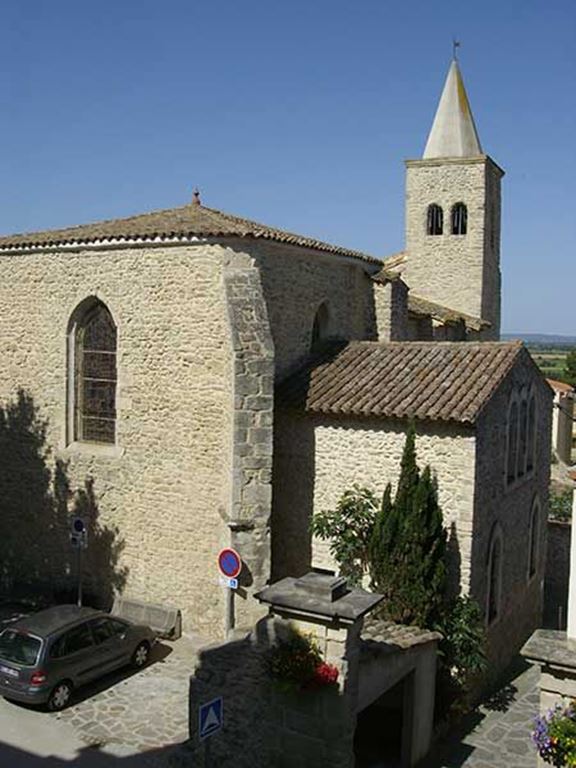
(319, 730)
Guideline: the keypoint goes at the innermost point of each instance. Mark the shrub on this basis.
(349, 528)
(561, 506)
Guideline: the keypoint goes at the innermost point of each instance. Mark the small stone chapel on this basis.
(188, 379)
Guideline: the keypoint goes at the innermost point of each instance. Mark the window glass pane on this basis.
(99, 331)
(58, 648)
(101, 630)
(98, 430)
(99, 365)
(19, 647)
(77, 639)
(99, 398)
(117, 627)
(95, 385)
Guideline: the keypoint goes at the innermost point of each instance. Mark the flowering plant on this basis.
(295, 663)
(555, 736)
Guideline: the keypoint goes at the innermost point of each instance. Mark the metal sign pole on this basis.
(229, 624)
(79, 574)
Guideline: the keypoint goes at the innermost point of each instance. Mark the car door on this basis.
(72, 655)
(112, 645)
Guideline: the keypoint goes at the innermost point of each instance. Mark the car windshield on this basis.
(19, 647)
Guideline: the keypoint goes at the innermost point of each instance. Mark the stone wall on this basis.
(317, 459)
(458, 271)
(391, 310)
(296, 281)
(252, 417)
(158, 502)
(265, 726)
(562, 422)
(509, 506)
(557, 575)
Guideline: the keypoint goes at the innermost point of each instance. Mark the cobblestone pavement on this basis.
(141, 710)
(497, 735)
(127, 714)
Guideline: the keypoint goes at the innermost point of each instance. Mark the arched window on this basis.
(531, 433)
(459, 219)
(523, 444)
(92, 389)
(435, 220)
(533, 538)
(321, 326)
(512, 442)
(494, 576)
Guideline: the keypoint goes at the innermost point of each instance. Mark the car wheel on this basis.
(60, 696)
(141, 655)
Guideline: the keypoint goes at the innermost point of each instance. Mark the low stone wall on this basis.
(557, 575)
(263, 726)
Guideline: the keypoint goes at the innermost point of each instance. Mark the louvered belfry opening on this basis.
(435, 220)
(459, 219)
(96, 377)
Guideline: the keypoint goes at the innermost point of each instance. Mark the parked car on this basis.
(45, 656)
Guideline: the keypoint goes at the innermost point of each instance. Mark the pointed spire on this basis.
(453, 131)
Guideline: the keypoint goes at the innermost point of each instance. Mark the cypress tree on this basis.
(408, 546)
(384, 535)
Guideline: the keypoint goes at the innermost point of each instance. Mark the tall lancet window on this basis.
(94, 339)
(321, 326)
(459, 219)
(435, 220)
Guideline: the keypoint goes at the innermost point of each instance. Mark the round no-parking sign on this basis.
(229, 563)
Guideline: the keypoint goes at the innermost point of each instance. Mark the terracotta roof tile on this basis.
(447, 381)
(379, 636)
(420, 306)
(187, 221)
(560, 386)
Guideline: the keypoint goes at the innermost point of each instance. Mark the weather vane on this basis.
(455, 45)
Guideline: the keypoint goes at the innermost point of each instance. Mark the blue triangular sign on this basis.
(210, 717)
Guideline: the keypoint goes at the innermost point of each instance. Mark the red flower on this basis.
(325, 674)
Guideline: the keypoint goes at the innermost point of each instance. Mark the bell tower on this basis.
(453, 214)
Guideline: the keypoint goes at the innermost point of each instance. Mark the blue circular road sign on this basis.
(229, 563)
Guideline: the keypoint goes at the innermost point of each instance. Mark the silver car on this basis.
(45, 656)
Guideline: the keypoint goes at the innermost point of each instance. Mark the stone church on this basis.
(188, 379)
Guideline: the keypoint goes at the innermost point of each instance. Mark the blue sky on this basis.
(298, 114)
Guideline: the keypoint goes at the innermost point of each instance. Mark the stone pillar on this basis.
(555, 651)
(319, 728)
(248, 516)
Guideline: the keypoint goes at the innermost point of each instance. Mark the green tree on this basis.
(570, 368)
(349, 529)
(408, 547)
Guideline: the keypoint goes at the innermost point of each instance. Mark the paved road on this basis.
(498, 734)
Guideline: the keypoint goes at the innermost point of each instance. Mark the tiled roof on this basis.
(560, 386)
(448, 381)
(379, 636)
(396, 262)
(185, 222)
(420, 306)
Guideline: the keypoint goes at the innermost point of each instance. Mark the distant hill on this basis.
(542, 338)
